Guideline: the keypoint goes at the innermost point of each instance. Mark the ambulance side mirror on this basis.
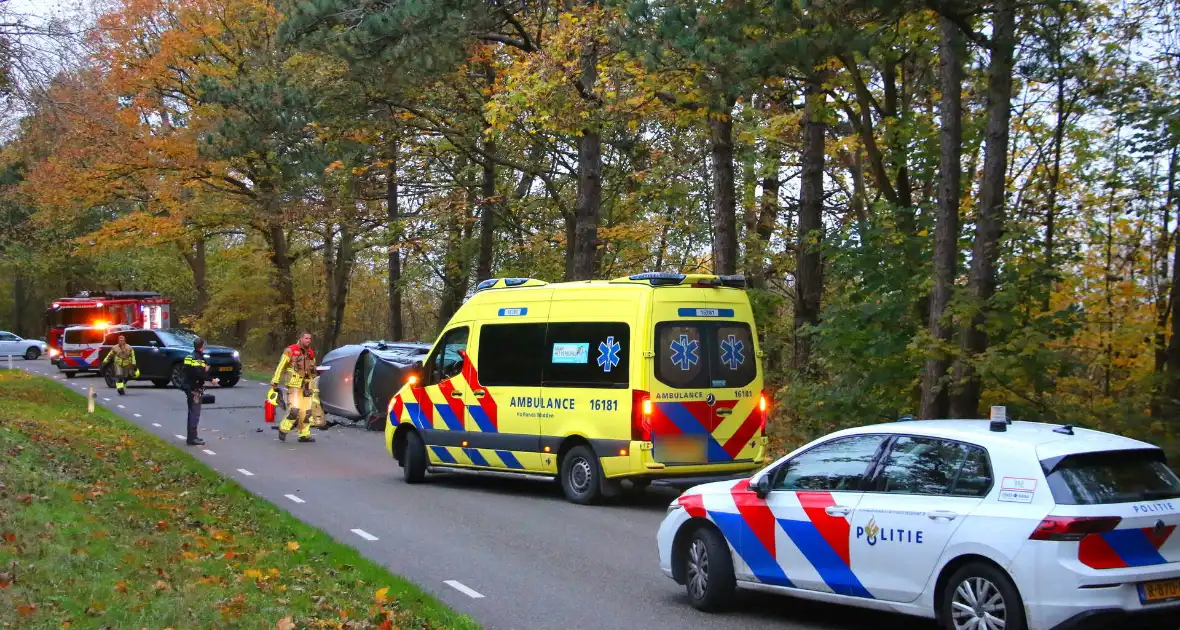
(761, 487)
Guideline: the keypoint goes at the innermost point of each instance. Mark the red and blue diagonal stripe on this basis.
(484, 413)
(1123, 548)
(451, 410)
(678, 418)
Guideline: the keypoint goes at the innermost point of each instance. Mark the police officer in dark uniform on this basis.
(196, 371)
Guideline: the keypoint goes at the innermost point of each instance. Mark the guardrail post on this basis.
(90, 400)
(10, 361)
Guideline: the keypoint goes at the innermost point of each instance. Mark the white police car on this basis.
(988, 525)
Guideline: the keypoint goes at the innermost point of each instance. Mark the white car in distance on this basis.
(978, 524)
(14, 346)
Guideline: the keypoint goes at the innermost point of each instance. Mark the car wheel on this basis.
(414, 458)
(71, 374)
(226, 383)
(581, 476)
(108, 375)
(708, 570)
(178, 376)
(981, 596)
(32, 354)
(160, 382)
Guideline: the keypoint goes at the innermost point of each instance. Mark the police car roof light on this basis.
(658, 278)
(999, 420)
(1064, 430)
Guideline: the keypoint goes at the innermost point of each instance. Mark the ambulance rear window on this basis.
(705, 355)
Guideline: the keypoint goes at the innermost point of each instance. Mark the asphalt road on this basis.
(513, 554)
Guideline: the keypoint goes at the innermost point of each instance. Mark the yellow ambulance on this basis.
(652, 376)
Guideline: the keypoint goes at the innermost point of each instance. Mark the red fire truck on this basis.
(140, 309)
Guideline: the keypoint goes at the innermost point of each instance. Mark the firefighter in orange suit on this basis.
(299, 358)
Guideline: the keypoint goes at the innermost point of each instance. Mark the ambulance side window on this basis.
(446, 362)
(511, 355)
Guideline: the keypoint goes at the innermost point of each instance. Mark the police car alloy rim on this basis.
(978, 605)
(698, 569)
(580, 475)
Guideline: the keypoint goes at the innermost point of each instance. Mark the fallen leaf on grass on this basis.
(292, 546)
(188, 555)
(9, 537)
(161, 585)
(382, 595)
(96, 609)
(286, 623)
(162, 525)
(5, 581)
(253, 574)
(121, 586)
(24, 610)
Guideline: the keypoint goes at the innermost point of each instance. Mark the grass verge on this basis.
(104, 525)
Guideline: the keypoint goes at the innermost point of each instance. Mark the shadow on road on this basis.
(756, 608)
(655, 498)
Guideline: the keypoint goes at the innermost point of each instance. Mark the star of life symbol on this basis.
(608, 354)
(731, 352)
(684, 352)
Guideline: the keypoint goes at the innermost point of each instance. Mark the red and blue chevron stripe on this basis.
(698, 418)
(1123, 548)
(752, 532)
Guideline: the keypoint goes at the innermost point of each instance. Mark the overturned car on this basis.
(357, 381)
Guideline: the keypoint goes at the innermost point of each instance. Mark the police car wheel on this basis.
(414, 458)
(708, 570)
(981, 596)
(581, 476)
(71, 374)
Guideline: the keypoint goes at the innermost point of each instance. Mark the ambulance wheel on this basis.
(227, 383)
(581, 476)
(414, 458)
(708, 570)
(979, 594)
(32, 354)
(160, 382)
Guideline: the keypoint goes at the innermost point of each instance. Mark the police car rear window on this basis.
(704, 355)
(84, 336)
(1111, 477)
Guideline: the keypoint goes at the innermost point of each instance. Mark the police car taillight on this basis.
(1067, 528)
(641, 409)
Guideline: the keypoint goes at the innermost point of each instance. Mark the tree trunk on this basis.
(725, 245)
(765, 219)
(808, 274)
(345, 258)
(195, 259)
(330, 264)
(935, 398)
(487, 215)
(453, 289)
(20, 301)
(393, 220)
(989, 220)
(1054, 183)
(587, 208)
(284, 283)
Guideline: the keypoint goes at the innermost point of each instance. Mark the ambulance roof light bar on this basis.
(508, 283)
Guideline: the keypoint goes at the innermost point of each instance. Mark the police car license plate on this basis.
(684, 449)
(226, 368)
(1163, 591)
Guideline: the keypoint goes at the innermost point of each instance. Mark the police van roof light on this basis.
(999, 420)
(657, 278)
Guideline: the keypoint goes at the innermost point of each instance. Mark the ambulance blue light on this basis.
(659, 277)
(738, 281)
(486, 284)
(514, 282)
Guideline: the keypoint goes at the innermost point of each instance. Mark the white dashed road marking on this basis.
(180, 437)
(208, 452)
(298, 500)
(106, 400)
(139, 416)
(363, 534)
(245, 472)
(155, 424)
(120, 406)
(461, 587)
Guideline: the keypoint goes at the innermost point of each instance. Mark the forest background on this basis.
(939, 205)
